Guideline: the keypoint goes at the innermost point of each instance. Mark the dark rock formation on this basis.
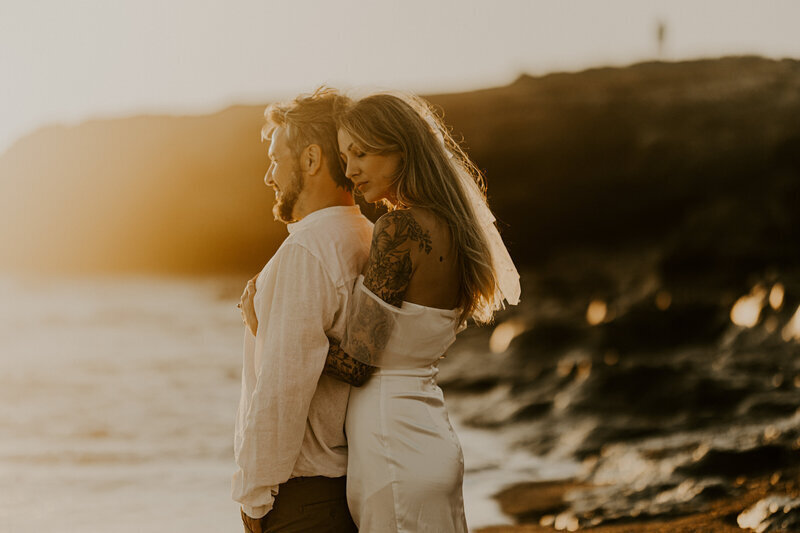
(664, 210)
(652, 155)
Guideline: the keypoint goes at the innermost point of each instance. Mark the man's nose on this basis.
(268, 177)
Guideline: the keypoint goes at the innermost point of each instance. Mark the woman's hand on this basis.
(247, 308)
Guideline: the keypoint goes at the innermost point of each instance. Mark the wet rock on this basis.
(529, 502)
(737, 462)
(774, 513)
(681, 473)
(622, 502)
(658, 391)
(644, 327)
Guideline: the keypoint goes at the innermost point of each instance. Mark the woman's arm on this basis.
(388, 275)
(247, 308)
(341, 366)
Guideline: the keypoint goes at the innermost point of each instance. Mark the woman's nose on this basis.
(350, 170)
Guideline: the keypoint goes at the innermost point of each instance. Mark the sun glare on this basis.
(503, 334)
(747, 309)
(596, 312)
(663, 300)
(776, 296)
(792, 329)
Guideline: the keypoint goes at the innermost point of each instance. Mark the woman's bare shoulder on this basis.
(432, 223)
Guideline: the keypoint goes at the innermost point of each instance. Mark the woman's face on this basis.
(373, 175)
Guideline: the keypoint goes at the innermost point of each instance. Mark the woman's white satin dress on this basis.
(405, 465)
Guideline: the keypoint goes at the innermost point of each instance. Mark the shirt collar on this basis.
(320, 214)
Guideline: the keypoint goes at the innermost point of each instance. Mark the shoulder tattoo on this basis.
(390, 268)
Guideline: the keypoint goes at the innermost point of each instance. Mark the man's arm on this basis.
(295, 306)
(338, 364)
(388, 274)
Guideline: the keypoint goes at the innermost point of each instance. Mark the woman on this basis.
(436, 260)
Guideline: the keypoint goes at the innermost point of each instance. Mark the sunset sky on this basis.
(70, 61)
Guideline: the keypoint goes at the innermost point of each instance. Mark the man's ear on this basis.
(311, 159)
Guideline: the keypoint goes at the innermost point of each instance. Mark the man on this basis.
(289, 445)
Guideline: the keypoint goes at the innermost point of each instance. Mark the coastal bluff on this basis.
(603, 157)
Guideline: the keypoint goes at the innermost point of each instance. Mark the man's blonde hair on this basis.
(310, 119)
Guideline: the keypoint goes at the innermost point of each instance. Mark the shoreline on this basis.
(492, 465)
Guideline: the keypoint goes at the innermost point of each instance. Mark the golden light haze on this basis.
(148, 194)
(70, 61)
(120, 185)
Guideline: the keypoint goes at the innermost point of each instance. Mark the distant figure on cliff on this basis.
(661, 35)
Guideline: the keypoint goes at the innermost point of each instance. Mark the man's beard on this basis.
(286, 200)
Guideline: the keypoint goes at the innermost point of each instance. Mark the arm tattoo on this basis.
(388, 275)
(341, 366)
(390, 267)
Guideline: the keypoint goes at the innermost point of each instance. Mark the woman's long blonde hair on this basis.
(428, 178)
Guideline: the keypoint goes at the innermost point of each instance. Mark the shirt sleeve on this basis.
(295, 305)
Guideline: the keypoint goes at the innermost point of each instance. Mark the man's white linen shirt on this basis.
(290, 421)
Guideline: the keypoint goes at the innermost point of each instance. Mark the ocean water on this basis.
(117, 403)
